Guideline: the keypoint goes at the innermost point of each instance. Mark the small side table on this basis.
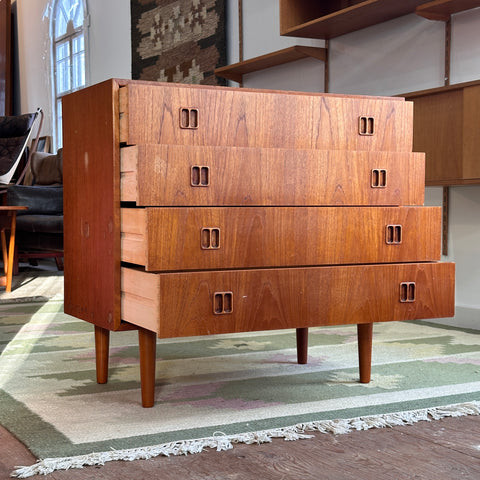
(8, 221)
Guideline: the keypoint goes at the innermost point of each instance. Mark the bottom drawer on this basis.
(204, 303)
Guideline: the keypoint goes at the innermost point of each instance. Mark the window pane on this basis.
(77, 13)
(60, 23)
(78, 72)
(66, 10)
(59, 123)
(63, 80)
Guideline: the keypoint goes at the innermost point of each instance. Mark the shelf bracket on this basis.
(445, 208)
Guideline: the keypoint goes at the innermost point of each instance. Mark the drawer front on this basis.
(203, 303)
(217, 238)
(193, 115)
(182, 175)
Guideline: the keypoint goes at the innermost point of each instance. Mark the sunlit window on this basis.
(69, 53)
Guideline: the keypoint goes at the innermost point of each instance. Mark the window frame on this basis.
(68, 37)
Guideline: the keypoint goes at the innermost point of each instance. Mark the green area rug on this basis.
(218, 390)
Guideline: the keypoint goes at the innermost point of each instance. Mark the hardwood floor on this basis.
(446, 449)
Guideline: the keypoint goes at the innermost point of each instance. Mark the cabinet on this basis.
(445, 126)
(195, 210)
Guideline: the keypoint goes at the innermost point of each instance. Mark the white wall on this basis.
(109, 42)
(402, 55)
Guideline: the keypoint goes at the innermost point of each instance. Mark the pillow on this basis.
(47, 168)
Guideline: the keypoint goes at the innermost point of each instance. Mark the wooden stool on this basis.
(8, 221)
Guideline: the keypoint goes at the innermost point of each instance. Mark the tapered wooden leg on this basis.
(365, 333)
(147, 341)
(11, 251)
(302, 345)
(102, 344)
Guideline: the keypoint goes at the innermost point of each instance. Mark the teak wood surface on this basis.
(92, 205)
(331, 18)
(255, 237)
(113, 114)
(255, 118)
(182, 304)
(155, 175)
(445, 126)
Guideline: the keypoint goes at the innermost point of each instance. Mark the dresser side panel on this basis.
(92, 205)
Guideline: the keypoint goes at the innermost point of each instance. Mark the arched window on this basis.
(69, 34)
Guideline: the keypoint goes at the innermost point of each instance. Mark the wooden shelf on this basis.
(236, 71)
(304, 18)
(443, 9)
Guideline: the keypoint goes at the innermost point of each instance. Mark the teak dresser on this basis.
(194, 210)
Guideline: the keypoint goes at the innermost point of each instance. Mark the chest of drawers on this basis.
(201, 210)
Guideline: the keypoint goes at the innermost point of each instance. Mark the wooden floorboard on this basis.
(446, 449)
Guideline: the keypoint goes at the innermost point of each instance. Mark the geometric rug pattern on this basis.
(221, 386)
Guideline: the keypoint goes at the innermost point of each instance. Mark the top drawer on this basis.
(198, 115)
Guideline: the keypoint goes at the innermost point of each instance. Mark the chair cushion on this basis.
(40, 223)
(10, 149)
(13, 134)
(16, 126)
(39, 199)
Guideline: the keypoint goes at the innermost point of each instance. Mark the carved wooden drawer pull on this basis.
(222, 303)
(407, 292)
(366, 125)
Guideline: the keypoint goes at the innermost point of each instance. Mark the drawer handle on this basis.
(393, 234)
(210, 238)
(222, 303)
(189, 118)
(407, 292)
(199, 176)
(366, 125)
(379, 178)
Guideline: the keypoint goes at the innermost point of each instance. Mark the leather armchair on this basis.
(39, 230)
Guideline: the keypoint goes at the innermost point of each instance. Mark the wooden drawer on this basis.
(182, 175)
(166, 113)
(203, 303)
(217, 238)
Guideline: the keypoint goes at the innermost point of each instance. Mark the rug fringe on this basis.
(222, 442)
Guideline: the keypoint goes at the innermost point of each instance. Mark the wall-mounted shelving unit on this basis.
(443, 9)
(332, 18)
(236, 71)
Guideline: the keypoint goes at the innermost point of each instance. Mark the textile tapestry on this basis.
(179, 41)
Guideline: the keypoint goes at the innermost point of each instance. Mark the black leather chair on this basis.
(15, 134)
(39, 232)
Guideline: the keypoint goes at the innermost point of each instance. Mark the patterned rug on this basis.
(179, 41)
(219, 390)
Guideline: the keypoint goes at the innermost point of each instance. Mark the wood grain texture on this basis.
(160, 175)
(269, 299)
(299, 18)
(260, 237)
(441, 450)
(92, 205)
(445, 126)
(236, 71)
(443, 9)
(150, 113)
